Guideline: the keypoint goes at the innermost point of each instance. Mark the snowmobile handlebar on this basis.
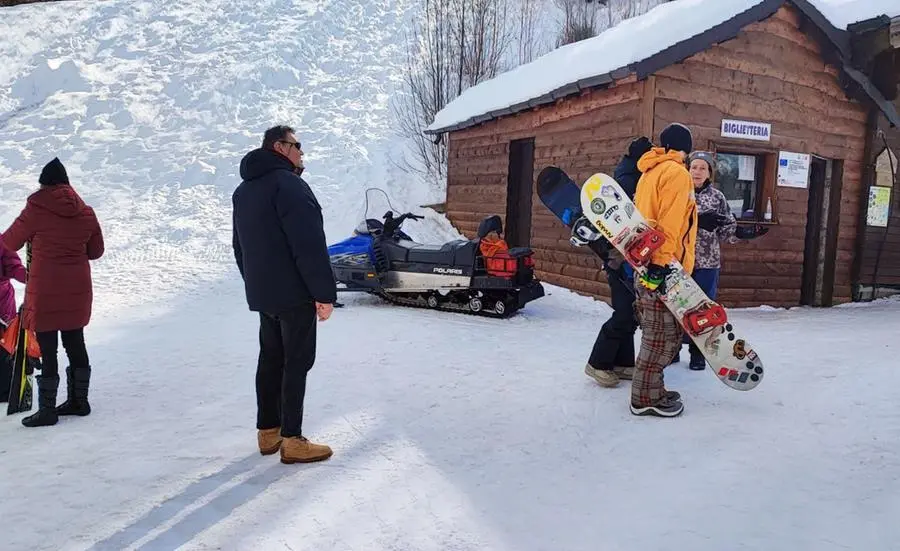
(389, 215)
(392, 225)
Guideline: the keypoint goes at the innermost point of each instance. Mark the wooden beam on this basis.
(648, 106)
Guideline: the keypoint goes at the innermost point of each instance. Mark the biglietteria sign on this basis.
(746, 130)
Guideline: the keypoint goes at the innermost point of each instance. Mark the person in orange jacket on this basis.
(665, 196)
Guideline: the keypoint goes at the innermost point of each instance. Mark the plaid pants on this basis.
(660, 339)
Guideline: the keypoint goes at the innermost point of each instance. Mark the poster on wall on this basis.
(793, 169)
(879, 203)
(746, 167)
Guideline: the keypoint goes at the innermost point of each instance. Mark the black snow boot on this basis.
(698, 362)
(78, 380)
(46, 413)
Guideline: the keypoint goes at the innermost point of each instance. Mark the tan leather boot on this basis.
(269, 440)
(297, 449)
(606, 378)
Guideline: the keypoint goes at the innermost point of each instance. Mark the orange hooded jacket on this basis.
(665, 196)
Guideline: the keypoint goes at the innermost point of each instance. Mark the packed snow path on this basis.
(455, 432)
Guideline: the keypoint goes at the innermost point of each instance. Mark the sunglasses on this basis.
(291, 143)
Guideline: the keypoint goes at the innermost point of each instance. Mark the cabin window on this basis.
(741, 178)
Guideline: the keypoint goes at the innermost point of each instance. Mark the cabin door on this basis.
(519, 189)
(822, 226)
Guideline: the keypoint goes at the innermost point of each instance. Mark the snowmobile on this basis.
(477, 276)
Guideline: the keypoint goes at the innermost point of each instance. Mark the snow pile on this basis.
(630, 41)
(843, 13)
(151, 105)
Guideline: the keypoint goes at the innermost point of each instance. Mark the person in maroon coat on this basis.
(65, 236)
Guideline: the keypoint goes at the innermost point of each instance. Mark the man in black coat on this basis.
(612, 358)
(279, 246)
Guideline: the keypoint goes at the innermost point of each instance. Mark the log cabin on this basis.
(799, 106)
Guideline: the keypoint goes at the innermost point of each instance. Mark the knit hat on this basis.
(54, 173)
(705, 156)
(676, 137)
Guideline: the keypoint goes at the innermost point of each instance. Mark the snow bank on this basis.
(630, 41)
(151, 106)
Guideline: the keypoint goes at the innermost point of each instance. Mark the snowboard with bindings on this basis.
(607, 208)
(562, 196)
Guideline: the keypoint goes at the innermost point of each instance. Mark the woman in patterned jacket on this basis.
(716, 224)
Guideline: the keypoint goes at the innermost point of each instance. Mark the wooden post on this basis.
(648, 107)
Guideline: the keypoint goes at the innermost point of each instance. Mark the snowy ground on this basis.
(454, 432)
(450, 432)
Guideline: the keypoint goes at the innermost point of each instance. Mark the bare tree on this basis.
(483, 48)
(453, 45)
(620, 10)
(526, 25)
(583, 19)
(579, 20)
(427, 85)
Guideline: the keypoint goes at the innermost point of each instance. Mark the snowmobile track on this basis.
(445, 307)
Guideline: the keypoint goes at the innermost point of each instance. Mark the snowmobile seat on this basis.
(452, 253)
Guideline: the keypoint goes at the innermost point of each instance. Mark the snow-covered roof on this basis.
(642, 44)
(843, 13)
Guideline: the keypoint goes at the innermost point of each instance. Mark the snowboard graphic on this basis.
(734, 361)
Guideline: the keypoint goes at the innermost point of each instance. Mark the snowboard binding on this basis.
(641, 246)
(583, 232)
(704, 318)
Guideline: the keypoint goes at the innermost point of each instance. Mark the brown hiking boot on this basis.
(269, 440)
(297, 449)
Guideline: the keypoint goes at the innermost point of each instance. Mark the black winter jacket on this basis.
(627, 175)
(278, 236)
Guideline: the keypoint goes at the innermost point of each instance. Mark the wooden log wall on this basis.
(889, 266)
(772, 72)
(581, 135)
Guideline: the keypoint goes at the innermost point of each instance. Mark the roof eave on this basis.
(887, 108)
(550, 97)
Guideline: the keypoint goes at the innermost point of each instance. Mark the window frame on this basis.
(766, 172)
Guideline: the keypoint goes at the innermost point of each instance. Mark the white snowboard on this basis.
(733, 360)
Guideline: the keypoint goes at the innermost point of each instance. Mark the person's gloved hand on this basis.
(711, 221)
(751, 232)
(639, 146)
(655, 278)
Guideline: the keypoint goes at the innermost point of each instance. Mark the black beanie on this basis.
(54, 173)
(677, 137)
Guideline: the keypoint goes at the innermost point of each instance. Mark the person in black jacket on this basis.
(280, 250)
(612, 358)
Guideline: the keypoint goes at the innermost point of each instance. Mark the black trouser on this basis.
(287, 351)
(614, 346)
(72, 341)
